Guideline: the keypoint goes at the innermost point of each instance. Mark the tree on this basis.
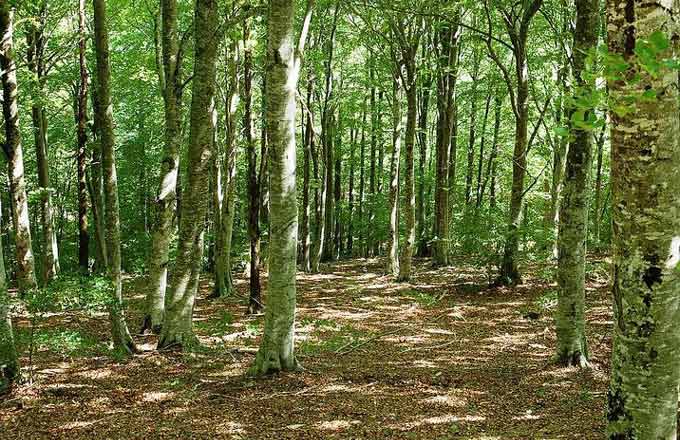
(37, 65)
(516, 22)
(177, 324)
(643, 392)
(165, 203)
(277, 349)
(122, 340)
(81, 123)
(14, 153)
(254, 177)
(573, 227)
(9, 360)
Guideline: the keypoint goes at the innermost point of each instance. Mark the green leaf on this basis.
(561, 131)
(659, 40)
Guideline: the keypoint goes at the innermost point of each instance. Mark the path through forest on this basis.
(443, 357)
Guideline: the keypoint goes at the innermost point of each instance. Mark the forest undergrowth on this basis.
(442, 357)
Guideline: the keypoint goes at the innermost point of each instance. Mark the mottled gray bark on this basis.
(306, 180)
(177, 324)
(572, 347)
(643, 392)
(25, 271)
(277, 348)
(395, 156)
(122, 340)
(165, 202)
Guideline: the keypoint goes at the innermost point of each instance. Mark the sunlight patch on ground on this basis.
(528, 415)
(336, 425)
(157, 396)
(446, 400)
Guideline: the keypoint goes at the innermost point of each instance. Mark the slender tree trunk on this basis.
(370, 239)
(9, 360)
(490, 178)
(226, 169)
(119, 329)
(81, 121)
(598, 189)
(393, 251)
(409, 172)
(362, 185)
(424, 101)
(480, 163)
(177, 325)
(350, 197)
(167, 197)
(472, 138)
(36, 64)
(327, 138)
(572, 347)
(254, 181)
(446, 78)
(308, 145)
(14, 153)
(337, 188)
(96, 187)
(277, 349)
(643, 392)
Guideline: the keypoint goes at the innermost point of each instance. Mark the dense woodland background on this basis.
(490, 170)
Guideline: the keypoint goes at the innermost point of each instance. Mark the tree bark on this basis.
(598, 189)
(96, 187)
(81, 121)
(424, 105)
(166, 197)
(9, 360)
(308, 148)
(447, 57)
(254, 180)
(362, 186)
(395, 156)
(224, 227)
(36, 64)
(277, 349)
(14, 153)
(177, 325)
(572, 347)
(643, 392)
(119, 329)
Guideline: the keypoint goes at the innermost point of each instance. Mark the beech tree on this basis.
(643, 396)
(122, 340)
(284, 59)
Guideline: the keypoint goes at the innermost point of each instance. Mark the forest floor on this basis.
(442, 357)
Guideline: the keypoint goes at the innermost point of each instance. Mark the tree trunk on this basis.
(350, 197)
(166, 198)
(308, 146)
(36, 64)
(447, 52)
(9, 360)
(490, 178)
(409, 174)
(276, 351)
(424, 104)
(254, 181)
(643, 393)
(362, 185)
(120, 333)
(480, 164)
(226, 168)
(14, 154)
(469, 172)
(370, 239)
(177, 331)
(81, 121)
(96, 187)
(572, 347)
(598, 189)
(337, 188)
(393, 243)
